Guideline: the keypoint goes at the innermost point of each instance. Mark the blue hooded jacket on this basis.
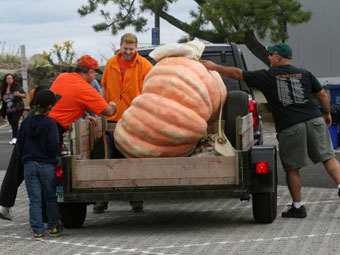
(38, 139)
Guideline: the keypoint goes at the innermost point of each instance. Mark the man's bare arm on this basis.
(230, 72)
(323, 99)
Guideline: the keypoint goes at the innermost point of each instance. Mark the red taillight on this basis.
(252, 107)
(59, 172)
(262, 167)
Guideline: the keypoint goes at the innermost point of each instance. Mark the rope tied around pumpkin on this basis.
(215, 142)
(221, 136)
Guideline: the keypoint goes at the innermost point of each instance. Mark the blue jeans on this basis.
(38, 175)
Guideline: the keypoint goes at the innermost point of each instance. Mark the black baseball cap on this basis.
(35, 93)
(45, 98)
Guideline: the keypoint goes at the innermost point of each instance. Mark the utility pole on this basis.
(155, 38)
(24, 68)
(285, 28)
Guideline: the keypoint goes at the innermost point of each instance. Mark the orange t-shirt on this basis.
(77, 95)
(123, 65)
(122, 92)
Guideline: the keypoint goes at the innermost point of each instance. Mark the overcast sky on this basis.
(39, 24)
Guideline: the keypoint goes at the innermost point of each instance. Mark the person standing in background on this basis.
(96, 85)
(12, 104)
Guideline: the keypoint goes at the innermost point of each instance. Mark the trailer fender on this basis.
(265, 182)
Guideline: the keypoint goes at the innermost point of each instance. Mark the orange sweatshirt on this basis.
(123, 92)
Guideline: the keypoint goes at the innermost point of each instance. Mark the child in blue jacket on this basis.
(38, 149)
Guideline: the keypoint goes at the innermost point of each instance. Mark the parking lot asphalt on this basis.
(215, 226)
(218, 226)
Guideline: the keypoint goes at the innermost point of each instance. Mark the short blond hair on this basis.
(129, 38)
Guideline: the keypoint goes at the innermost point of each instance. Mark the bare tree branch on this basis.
(208, 35)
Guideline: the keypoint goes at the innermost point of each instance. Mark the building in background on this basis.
(316, 44)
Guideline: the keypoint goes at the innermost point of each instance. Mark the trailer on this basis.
(250, 173)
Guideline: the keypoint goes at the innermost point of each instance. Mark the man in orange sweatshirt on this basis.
(123, 75)
(122, 81)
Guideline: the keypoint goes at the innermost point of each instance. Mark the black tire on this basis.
(73, 214)
(264, 207)
(236, 105)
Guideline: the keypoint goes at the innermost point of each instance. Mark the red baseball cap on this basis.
(89, 62)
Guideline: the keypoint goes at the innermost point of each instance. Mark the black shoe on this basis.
(295, 213)
(136, 206)
(100, 207)
(339, 192)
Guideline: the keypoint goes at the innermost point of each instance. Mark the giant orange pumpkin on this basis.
(170, 116)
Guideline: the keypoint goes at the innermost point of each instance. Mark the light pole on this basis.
(155, 38)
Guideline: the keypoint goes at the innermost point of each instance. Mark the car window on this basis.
(145, 54)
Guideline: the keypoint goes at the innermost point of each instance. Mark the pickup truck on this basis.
(250, 173)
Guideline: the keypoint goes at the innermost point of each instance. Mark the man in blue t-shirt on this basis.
(298, 120)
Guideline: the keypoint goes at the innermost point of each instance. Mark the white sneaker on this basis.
(13, 141)
(5, 213)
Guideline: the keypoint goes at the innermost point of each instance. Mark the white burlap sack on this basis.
(192, 49)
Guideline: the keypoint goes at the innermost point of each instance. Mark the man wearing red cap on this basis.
(78, 95)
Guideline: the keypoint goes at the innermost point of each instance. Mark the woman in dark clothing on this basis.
(15, 175)
(12, 103)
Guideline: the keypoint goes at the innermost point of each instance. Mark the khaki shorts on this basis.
(309, 139)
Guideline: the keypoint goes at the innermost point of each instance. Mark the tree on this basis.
(217, 21)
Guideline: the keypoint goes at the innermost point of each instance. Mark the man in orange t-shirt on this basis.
(124, 75)
(77, 94)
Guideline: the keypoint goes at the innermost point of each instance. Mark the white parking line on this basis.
(244, 241)
(110, 249)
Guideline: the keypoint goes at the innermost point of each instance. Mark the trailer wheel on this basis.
(73, 214)
(236, 105)
(264, 207)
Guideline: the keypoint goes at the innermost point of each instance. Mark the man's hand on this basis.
(209, 64)
(114, 106)
(328, 119)
(92, 119)
(110, 109)
(229, 71)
